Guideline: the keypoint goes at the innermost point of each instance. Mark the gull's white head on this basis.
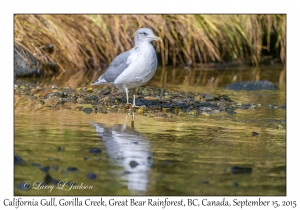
(145, 34)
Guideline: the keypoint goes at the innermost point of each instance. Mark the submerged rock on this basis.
(91, 176)
(241, 170)
(72, 169)
(45, 169)
(19, 161)
(252, 85)
(95, 150)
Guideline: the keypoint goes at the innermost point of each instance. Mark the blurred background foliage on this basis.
(90, 42)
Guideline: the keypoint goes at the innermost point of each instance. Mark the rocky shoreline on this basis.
(150, 100)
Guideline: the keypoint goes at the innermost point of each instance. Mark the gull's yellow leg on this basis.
(126, 90)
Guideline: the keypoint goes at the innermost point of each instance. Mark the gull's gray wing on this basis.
(117, 66)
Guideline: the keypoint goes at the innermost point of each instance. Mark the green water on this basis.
(184, 156)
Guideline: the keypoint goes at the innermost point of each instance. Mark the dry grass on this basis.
(84, 42)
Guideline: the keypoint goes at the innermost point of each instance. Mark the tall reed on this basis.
(82, 42)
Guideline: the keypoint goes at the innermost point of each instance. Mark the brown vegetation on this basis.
(84, 42)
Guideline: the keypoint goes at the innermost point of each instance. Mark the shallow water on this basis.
(155, 156)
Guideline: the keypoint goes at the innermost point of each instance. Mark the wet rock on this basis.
(252, 85)
(231, 111)
(241, 170)
(209, 97)
(88, 110)
(18, 160)
(106, 91)
(193, 113)
(61, 94)
(145, 92)
(91, 176)
(60, 103)
(239, 104)
(94, 97)
(215, 112)
(245, 106)
(95, 150)
(226, 98)
(25, 64)
(204, 104)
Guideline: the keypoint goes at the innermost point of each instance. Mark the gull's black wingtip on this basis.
(93, 83)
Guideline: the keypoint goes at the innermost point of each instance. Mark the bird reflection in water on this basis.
(129, 149)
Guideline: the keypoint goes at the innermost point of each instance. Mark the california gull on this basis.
(134, 67)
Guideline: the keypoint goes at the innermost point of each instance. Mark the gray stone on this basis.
(25, 64)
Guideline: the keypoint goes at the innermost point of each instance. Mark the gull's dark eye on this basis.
(144, 33)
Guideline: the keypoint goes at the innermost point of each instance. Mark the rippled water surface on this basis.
(153, 156)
